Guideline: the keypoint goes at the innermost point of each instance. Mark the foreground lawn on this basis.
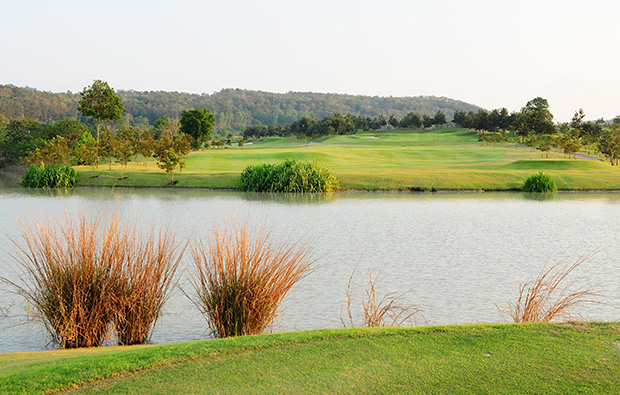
(527, 358)
(449, 159)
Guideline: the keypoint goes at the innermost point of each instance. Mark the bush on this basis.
(289, 176)
(540, 182)
(50, 176)
(242, 279)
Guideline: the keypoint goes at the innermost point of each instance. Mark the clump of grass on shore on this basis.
(387, 311)
(290, 176)
(84, 274)
(549, 297)
(242, 278)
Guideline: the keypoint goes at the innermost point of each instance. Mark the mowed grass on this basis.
(449, 159)
(500, 358)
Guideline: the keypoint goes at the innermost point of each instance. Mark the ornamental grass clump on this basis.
(550, 297)
(49, 176)
(290, 176)
(540, 182)
(85, 275)
(242, 277)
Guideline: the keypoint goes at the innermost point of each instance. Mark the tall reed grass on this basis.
(84, 275)
(549, 297)
(242, 276)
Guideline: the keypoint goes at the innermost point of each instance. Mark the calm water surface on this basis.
(454, 256)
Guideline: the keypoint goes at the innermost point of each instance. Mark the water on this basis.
(454, 256)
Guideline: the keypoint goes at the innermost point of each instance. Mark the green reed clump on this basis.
(84, 275)
(242, 278)
(540, 182)
(289, 176)
(49, 176)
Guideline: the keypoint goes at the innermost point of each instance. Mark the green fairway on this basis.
(449, 159)
(525, 358)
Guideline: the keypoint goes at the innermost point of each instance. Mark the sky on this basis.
(489, 53)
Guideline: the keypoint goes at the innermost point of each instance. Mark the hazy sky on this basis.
(490, 53)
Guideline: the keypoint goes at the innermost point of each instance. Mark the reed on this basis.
(388, 310)
(85, 274)
(242, 277)
(549, 297)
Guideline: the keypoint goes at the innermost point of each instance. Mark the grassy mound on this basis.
(524, 358)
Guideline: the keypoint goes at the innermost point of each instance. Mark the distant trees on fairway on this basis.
(336, 124)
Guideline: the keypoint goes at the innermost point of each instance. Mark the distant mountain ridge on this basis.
(233, 108)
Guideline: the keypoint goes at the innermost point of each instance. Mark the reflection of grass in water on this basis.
(290, 198)
(540, 197)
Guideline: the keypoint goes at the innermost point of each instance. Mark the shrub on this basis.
(289, 176)
(84, 275)
(50, 176)
(242, 278)
(540, 182)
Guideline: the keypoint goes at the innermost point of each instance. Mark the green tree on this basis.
(123, 152)
(85, 152)
(427, 121)
(146, 146)
(100, 102)
(609, 144)
(183, 146)
(440, 118)
(107, 146)
(170, 153)
(198, 124)
(536, 118)
(411, 120)
(165, 125)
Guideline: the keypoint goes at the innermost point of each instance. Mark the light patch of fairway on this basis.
(444, 159)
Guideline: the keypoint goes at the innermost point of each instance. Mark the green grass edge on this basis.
(51, 371)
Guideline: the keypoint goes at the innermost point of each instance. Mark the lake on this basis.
(454, 256)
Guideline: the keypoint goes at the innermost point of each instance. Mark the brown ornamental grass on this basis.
(551, 296)
(85, 275)
(242, 277)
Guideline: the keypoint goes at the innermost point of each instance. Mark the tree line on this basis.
(336, 124)
(533, 126)
(71, 142)
(233, 109)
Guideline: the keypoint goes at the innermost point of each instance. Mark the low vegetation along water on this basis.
(455, 256)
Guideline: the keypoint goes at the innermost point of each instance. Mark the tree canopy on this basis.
(198, 124)
(100, 102)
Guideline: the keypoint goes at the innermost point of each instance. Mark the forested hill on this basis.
(233, 108)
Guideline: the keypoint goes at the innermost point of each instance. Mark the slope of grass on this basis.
(525, 358)
(443, 159)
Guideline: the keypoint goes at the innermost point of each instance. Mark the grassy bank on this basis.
(526, 358)
(450, 159)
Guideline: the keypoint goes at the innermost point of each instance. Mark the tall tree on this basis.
(536, 117)
(198, 124)
(100, 102)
